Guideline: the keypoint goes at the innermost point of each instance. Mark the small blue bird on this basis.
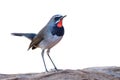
(48, 37)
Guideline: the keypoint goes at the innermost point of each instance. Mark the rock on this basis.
(115, 71)
(94, 73)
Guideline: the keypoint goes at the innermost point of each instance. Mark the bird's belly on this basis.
(49, 42)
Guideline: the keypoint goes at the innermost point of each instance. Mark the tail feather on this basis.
(27, 35)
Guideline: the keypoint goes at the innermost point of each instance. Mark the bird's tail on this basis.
(27, 35)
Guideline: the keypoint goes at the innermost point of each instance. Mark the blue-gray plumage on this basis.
(48, 37)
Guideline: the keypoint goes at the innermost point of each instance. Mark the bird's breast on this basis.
(49, 41)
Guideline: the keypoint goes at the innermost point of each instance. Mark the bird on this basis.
(47, 37)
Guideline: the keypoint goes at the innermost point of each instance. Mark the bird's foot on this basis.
(55, 70)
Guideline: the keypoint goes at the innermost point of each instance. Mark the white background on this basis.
(92, 34)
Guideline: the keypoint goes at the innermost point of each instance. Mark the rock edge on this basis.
(94, 73)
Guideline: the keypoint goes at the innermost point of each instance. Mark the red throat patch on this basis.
(59, 24)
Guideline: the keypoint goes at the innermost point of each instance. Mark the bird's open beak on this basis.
(63, 16)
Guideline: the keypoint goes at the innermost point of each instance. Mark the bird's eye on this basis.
(57, 18)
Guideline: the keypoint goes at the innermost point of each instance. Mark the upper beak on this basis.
(63, 16)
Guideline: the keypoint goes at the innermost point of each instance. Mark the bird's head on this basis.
(57, 20)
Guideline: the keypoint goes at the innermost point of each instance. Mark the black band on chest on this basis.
(57, 31)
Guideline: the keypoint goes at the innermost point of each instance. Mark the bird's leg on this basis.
(48, 51)
(44, 60)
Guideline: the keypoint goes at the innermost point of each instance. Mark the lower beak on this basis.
(64, 16)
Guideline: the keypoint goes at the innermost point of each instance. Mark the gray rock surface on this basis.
(94, 73)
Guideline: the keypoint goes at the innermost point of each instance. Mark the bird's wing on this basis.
(37, 39)
(35, 42)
